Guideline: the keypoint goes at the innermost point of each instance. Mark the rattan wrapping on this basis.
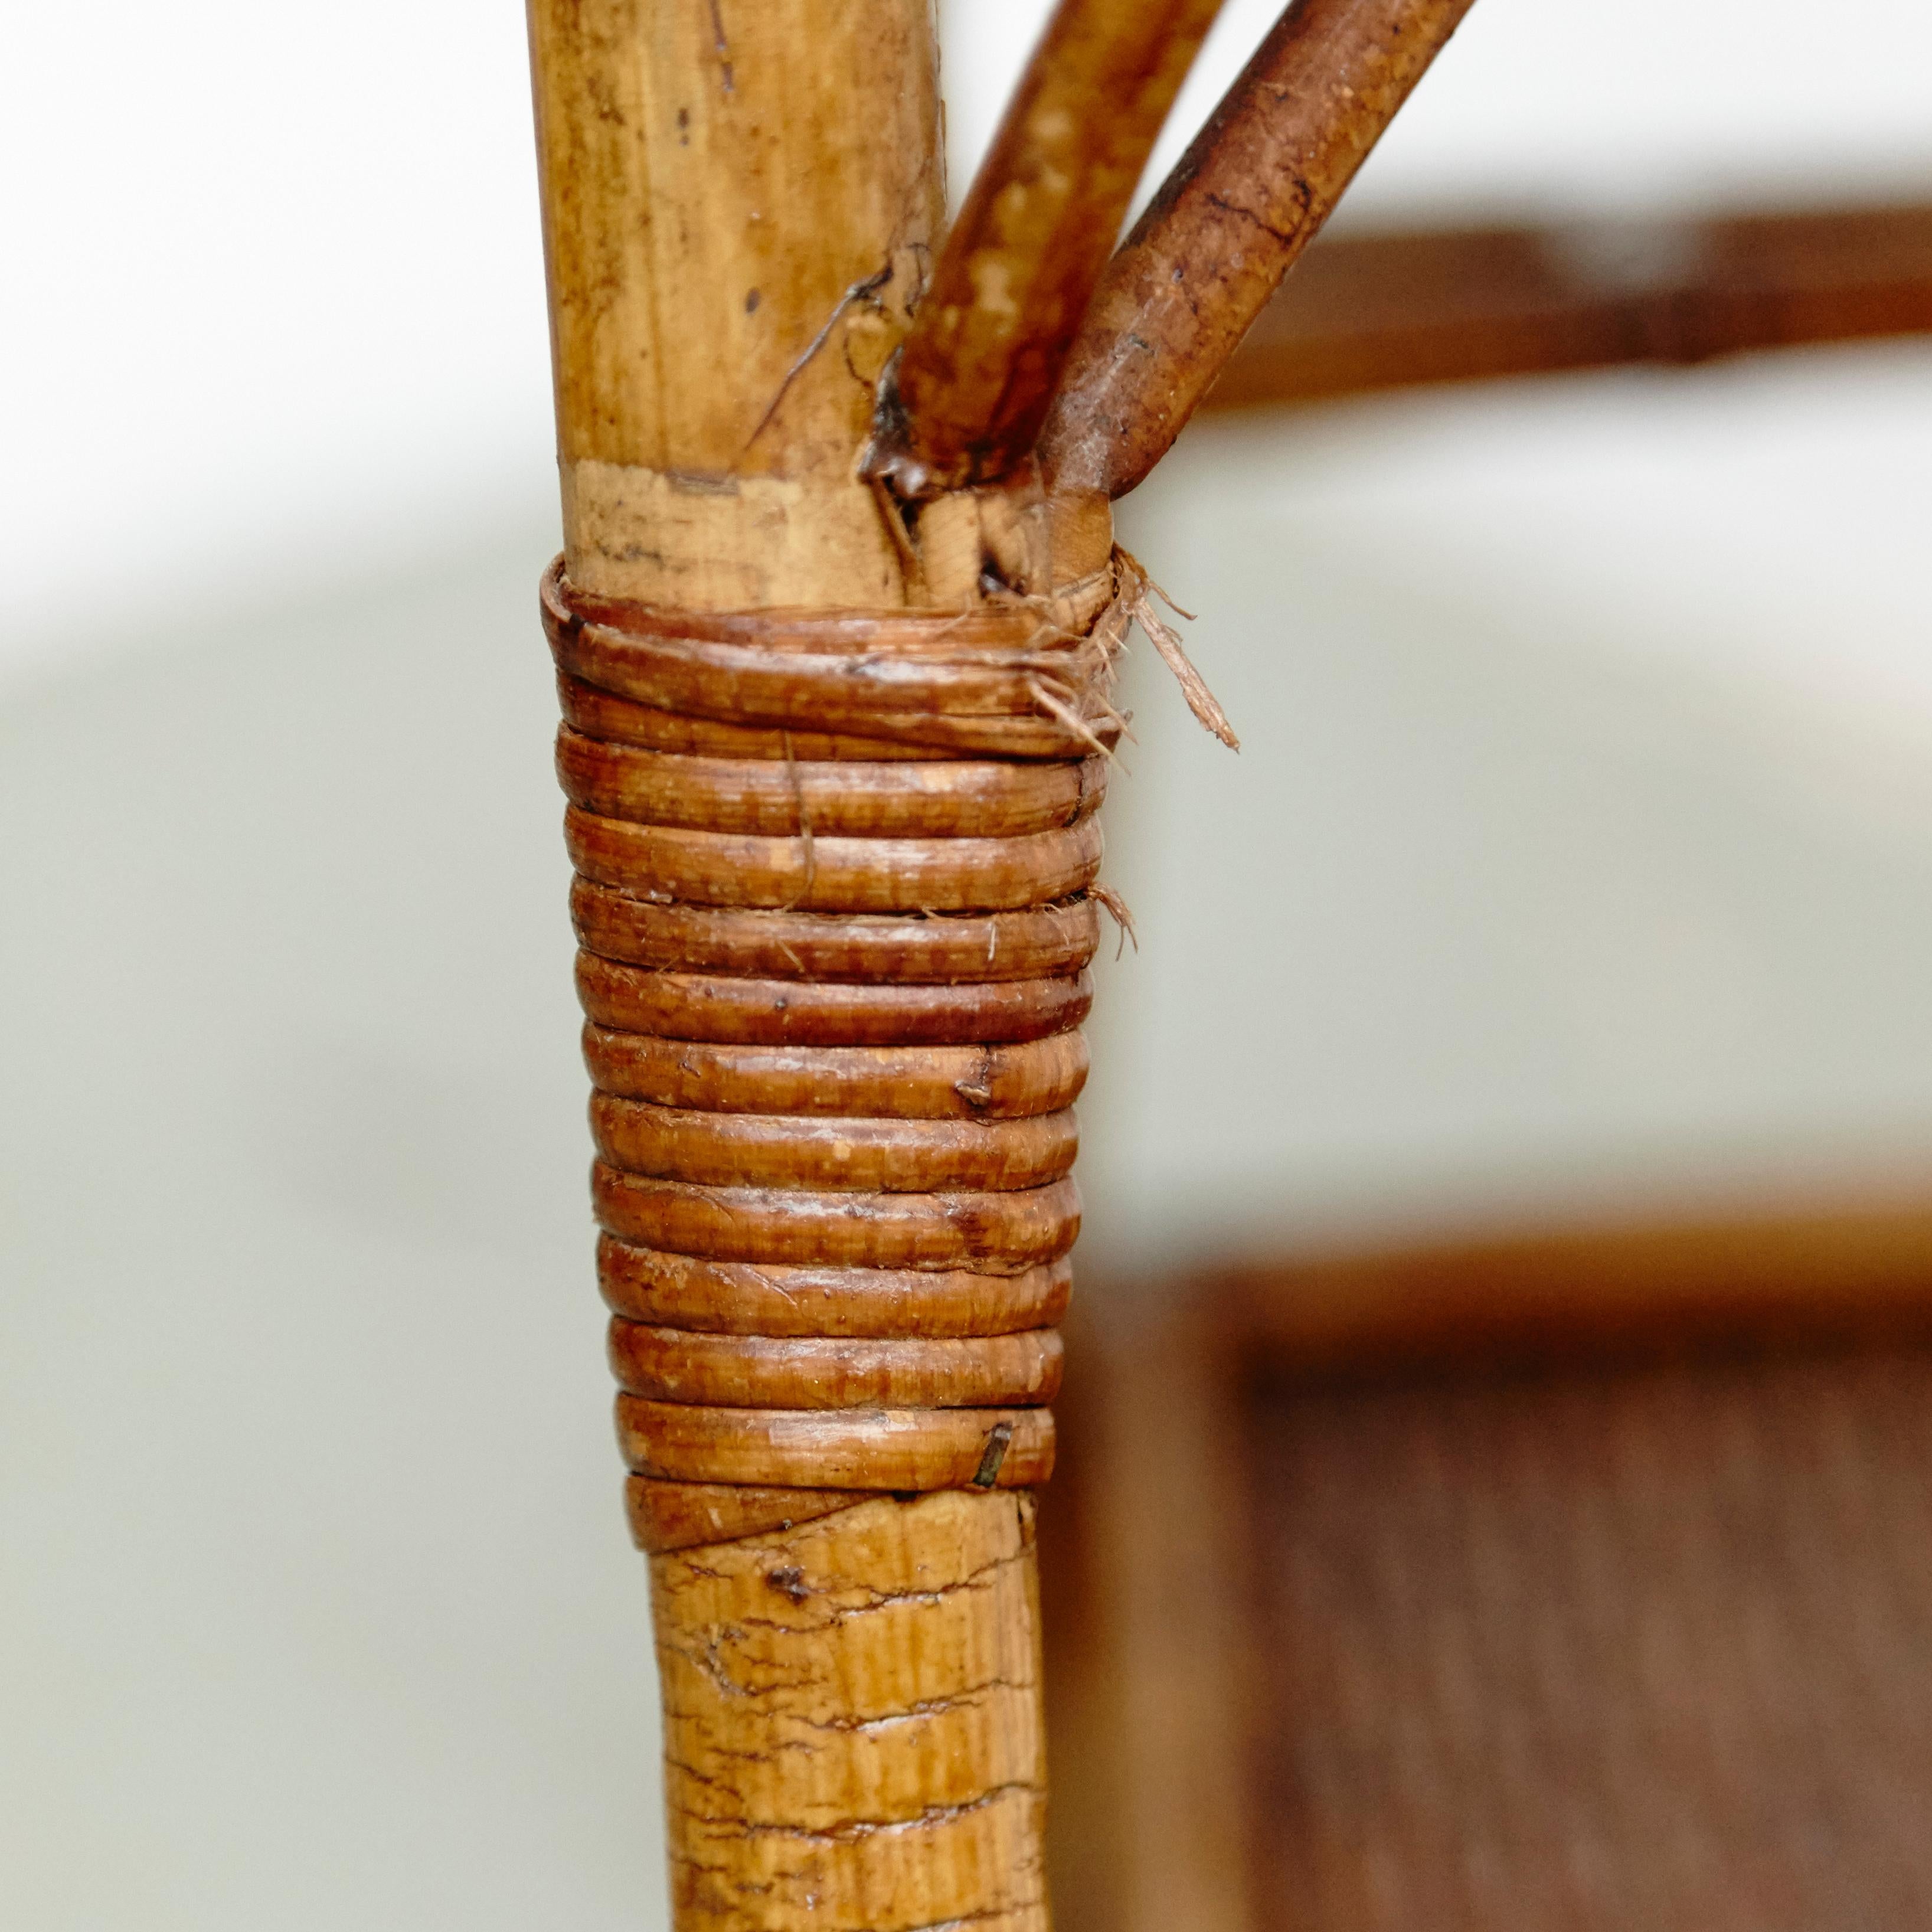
(833, 897)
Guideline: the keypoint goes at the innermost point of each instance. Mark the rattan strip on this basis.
(833, 894)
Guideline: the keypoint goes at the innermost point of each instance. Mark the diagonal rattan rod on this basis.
(1249, 195)
(976, 375)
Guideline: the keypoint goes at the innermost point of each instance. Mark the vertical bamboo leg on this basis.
(739, 200)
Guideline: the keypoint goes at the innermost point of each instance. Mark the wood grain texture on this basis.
(1249, 195)
(978, 369)
(852, 1734)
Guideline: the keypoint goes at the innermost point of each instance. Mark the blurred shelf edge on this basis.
(1167, 1743)
(1394, 309)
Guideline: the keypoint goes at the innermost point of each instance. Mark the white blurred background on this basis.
(1575, 862)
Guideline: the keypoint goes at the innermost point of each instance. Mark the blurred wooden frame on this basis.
(1148, 1535)
(1387, 309)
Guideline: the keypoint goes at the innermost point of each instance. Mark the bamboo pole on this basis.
(739, 204)
(1247, 198)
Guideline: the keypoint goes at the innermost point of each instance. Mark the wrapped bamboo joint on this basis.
(835, 666)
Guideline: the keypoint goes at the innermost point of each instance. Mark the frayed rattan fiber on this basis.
(834, 894)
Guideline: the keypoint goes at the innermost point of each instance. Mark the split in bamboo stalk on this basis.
(1248, 196)
(973, 381)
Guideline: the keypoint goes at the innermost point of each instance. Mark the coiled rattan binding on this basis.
(834, 894)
